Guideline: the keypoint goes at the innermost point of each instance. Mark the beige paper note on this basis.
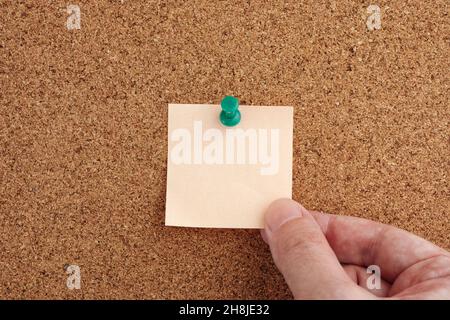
(220, 177)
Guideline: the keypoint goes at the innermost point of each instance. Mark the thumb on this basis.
(303, 255)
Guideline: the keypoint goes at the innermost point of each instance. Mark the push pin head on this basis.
(230, 115)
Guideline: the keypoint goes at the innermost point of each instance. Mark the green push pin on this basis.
(230, 115)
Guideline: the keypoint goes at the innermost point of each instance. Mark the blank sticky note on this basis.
(225, 177)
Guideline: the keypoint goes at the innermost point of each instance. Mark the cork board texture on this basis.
(83, 133)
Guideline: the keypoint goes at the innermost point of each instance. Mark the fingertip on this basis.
(301, 251)
(264, 236)
(281, 211)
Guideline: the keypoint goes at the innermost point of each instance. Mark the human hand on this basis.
(324, 256)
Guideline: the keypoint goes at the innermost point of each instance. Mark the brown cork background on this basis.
(83, 124)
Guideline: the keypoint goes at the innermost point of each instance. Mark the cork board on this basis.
(83, 127)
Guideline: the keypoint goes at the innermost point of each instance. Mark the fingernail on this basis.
(282, 211)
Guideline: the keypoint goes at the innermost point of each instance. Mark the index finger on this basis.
(365, 242)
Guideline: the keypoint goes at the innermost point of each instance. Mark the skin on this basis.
(324, 256)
